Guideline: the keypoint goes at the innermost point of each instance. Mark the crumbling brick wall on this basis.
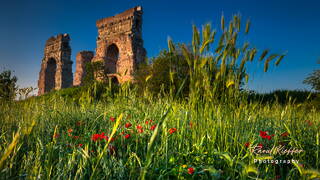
(56, 66)
(82, 59)
(120, 44)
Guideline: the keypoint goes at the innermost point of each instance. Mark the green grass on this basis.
(207, 134)
(210, 139)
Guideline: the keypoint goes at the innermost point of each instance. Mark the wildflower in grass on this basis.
(127, 125)
(260, 145)
(285, 134)
(78, 123)
(127, 136)
(80, 145)
(56, 135)
(148, 121)
(190, 124)
(153, 127)
(95, 137)
(264, 135)
(190, 170)
(247, 144)
(172, 130)
(112, 119)
(268, 137)
(184, 166)
(75, 137)
(139, 127)
(70, 130)
(140, 130)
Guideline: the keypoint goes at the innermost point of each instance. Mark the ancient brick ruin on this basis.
(120, 44)
(119, 48)
(56, 66)
(82, 58)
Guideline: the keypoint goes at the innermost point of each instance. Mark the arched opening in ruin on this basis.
(50, 75)
(112, 58)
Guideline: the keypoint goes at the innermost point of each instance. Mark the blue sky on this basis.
(279, 25)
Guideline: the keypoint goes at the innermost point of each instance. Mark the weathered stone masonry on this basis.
(82, 58)
(119, 47)
(120, 44)
(56, 66)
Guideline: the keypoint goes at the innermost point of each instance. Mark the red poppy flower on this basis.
(70, 130)
(140, 130)
(139, 127)
(268, 137)
(285, 134)
(172, 130)
(80, 145)
(260, 145)
(101, 136)
(127, 136)
(148, 121)
(75, 137)
(190, 124)
(95, 137)
(112, 119)
(264, 135)
(127, 125)
(153, 127)
(247, 144)
(190, 170)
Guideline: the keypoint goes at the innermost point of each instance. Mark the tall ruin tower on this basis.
(120, 44)
(56, 66)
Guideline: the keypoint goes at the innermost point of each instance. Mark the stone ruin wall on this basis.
(56, 66)
(119, 47)
(82, 59)
(120, 44)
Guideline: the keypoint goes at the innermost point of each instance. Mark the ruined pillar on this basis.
(120, 44)
(56, 66)
(82, 59)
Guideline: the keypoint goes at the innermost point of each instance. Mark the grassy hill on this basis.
(95, 132)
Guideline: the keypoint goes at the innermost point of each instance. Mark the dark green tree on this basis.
(94, 71)
(8, 85)
(314, 79)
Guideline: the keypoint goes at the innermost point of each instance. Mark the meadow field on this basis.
(199, 126)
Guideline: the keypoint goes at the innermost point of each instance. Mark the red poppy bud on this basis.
(190, 170)
(127, 125)
(153, 127)
(172, 130)
(127, 136)
(247, 144)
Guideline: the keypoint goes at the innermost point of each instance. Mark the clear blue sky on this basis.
(280, 25)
